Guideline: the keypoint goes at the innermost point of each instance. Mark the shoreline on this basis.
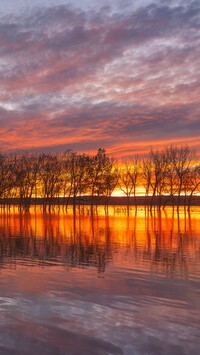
(105, 201)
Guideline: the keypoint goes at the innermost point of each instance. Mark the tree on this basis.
(181, 160)
(75, 173)
(128, 176)
(50, 175)
(26, 173)
(159, 168)
(147, 173)
(191, 183)
(7, 176)
(100, 172)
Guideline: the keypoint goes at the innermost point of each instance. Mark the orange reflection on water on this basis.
(166, 241)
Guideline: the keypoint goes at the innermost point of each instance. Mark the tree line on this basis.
(173, 171)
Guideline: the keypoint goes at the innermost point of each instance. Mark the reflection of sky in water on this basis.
(55, 299)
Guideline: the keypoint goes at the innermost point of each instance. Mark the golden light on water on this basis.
(121, 227)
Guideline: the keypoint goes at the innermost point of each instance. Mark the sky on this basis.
(122, 75)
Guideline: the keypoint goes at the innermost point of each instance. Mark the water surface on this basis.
(100, 283)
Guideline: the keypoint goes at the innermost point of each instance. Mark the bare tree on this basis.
(26, 174)
(181, 159)
(191, 183)
(158, 174)
(50, 177)
(129, 173)
(100, 172)
(7, 176)
(110, 181)
(147, 175)
(76, 174)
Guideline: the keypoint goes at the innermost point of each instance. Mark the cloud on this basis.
(95, 78)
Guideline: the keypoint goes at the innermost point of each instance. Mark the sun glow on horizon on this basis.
(140, 191)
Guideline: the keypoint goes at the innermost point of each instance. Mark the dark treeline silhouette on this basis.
(51, 176)
(170, 176)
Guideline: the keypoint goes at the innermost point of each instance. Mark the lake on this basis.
(101, 282)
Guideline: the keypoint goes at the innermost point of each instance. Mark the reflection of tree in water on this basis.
(78, 250)
(53, 252)
(167, 243)
(173, 261)
(172, 245)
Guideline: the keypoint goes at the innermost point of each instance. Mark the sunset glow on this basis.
(99, 176)
(123, 75)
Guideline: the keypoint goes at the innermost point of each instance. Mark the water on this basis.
(101, 284)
